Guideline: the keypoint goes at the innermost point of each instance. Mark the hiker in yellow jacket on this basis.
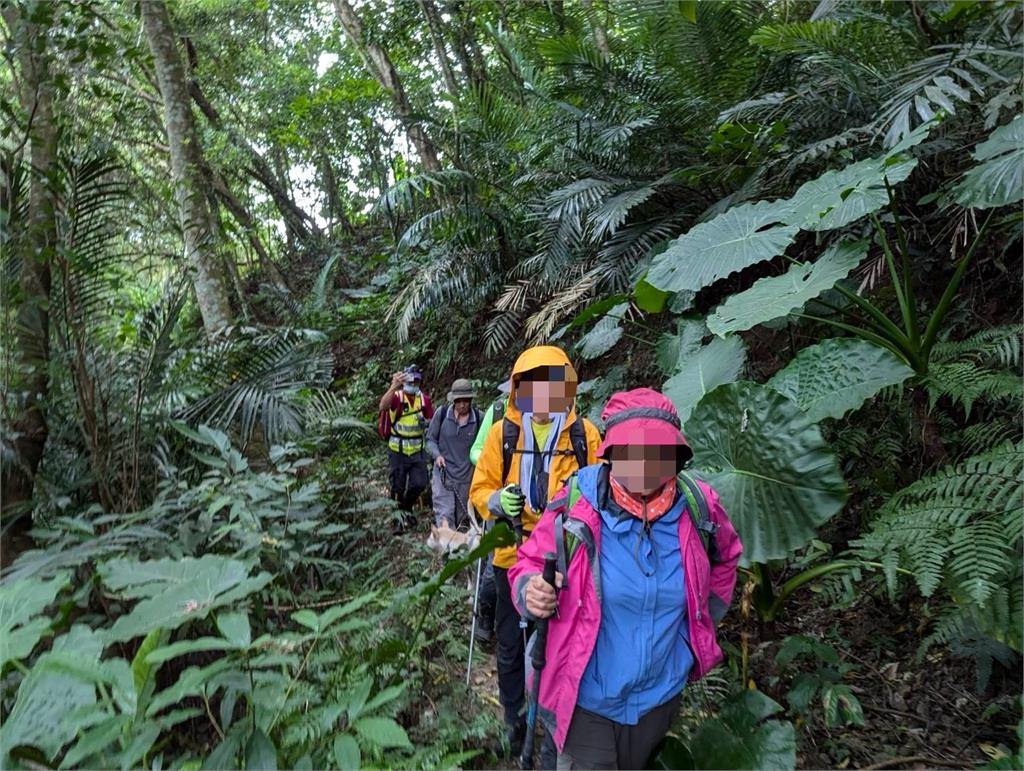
(538, 444)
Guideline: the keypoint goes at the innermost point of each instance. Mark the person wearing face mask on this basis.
(646, 568)
(405, 411)
(526, 457)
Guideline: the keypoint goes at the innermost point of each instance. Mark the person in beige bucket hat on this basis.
(449, 437)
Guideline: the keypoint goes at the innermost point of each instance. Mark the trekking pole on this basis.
(539, 659)
(472, 628)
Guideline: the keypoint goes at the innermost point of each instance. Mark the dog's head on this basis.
(444, 540)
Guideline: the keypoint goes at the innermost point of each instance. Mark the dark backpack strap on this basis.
(578, 440)
(509, 439)
(702, 518)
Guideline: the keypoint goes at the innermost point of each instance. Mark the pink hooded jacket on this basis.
(572, 631)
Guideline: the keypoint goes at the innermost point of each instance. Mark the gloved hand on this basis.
(512, 501)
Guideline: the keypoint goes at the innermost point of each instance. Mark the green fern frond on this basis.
(985, 365)
(958, 528)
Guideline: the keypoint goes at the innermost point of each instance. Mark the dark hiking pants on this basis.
(408, 476)
(595, 742)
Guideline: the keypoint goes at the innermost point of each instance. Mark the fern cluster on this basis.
(984, 366)
(960, 529)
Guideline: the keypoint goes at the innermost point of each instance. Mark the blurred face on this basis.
(461, 406)
(545, 391)
(643, 468)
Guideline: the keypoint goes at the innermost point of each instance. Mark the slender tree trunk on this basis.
(28, 425)
(295, 219)
(208, 277)
(600, 34)
(335, 204)
(435, 26)
(466, 48)
(379, 64)
(243, 218)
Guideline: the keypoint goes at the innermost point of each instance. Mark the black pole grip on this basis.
(550, 560)
(539, 657)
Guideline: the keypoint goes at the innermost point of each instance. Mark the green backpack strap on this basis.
(698, 508)
(566, 542)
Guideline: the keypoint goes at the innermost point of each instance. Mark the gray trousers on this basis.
(446, 508)
(595, 742)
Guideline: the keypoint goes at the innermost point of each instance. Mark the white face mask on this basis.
(411, 388)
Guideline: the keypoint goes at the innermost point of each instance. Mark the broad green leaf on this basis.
(382, 732)
(260, 753)
(777, 478)
(143, 671)
(741, 738)
(842, 196)
(234, 625)
(346, 753)
(140, 744)
(48, 697)
(999, 179)
(387, 695)
(688, 10)
(94, 740)
(720, 361)
(307, 618)
(736, 239)
(673, 755)
(777, 296)
(802, 691)
(837, 375)
(190, 683)
(20, 601)
(597, 308)
(605, 334)
(360, 693)
(181, 647)
(648, 298)
(338, 612)
(840, 705)
(176, 591)
(680, 345)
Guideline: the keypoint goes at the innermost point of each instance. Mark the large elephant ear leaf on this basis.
(740, 237)
(777, 296)
(703, 370)
(841, 196)
(999, 179)
(777, 478)
(837, 375)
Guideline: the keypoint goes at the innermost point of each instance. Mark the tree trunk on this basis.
(335, 204)
(600, 35)
(295, 219)
(186, 168)
(434, 25)
(379, 64)
(467, 50)
(243, 218)
(28, 425)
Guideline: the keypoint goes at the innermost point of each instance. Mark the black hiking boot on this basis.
(514, 735)
(485, 626)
